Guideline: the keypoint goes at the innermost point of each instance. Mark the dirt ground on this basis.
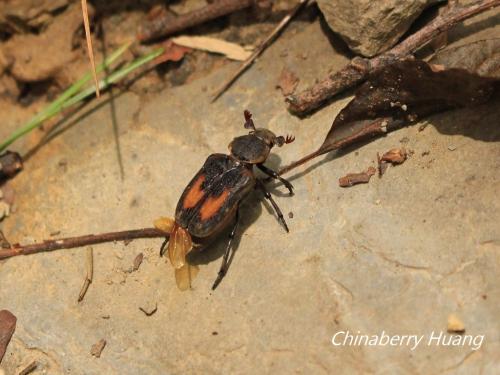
(397, 255)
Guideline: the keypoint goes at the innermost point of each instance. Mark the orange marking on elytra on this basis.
(212, 205)
(195, 193)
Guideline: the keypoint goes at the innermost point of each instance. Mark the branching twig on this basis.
(377, 127)
(90, 239)
(164, 26)
(359, 68)
(260, 49)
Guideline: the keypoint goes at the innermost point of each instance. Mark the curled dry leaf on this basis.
(352, 179)
(395, 156)
(287, 81)
(173, 52)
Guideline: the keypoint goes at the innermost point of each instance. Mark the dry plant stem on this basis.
(378, 127)
(164, 26)
(358, 69)
(284, 22)
(90, 239)
(90, 50)
(89, 276)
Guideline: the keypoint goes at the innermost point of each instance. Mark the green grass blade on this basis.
(113, 77)
(54, 107)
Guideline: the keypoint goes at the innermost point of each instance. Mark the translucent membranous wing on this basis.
(165, 224)
(179, 244)
(185, 275)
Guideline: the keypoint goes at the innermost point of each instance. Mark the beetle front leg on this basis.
(269, 197)
(274, 175)
(226, 259)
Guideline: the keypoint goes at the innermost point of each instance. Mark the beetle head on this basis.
(264, 134)
(254, 148)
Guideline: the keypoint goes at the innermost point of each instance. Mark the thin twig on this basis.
(377, 127)
(80, 241)
(30, 368)
(284, 22)
(90, 274)
(90, 50)
(359, 68)
(167, 25)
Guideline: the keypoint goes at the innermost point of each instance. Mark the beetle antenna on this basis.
(289, 139)
(248, 120)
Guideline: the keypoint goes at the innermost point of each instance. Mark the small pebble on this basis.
(455, 324)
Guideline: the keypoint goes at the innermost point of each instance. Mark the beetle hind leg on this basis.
(276, 176)
(163, 247)
(269, 197)
(228, 255)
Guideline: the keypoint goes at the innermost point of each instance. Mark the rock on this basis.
(371, 27)
(22, 15)
(45, 55)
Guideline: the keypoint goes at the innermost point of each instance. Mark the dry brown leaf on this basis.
(287, 81)
(400, 94)
(173, 52)
(403, 93)
(232, 51)
(7, 328)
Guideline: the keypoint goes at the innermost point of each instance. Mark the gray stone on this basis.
(399, 254)
(371, 27)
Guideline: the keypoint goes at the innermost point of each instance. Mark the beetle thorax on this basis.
(252, 148)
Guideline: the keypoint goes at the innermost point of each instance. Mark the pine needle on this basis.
(88, 37)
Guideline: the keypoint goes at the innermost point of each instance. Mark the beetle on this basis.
(210, 203)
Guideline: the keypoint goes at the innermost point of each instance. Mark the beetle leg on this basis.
(163, 247)
(273, 174)
(268, 196)
(226, 259)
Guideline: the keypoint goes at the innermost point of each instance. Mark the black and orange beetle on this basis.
(211, 201)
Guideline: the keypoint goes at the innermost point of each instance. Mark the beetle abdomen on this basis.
(212, 195)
